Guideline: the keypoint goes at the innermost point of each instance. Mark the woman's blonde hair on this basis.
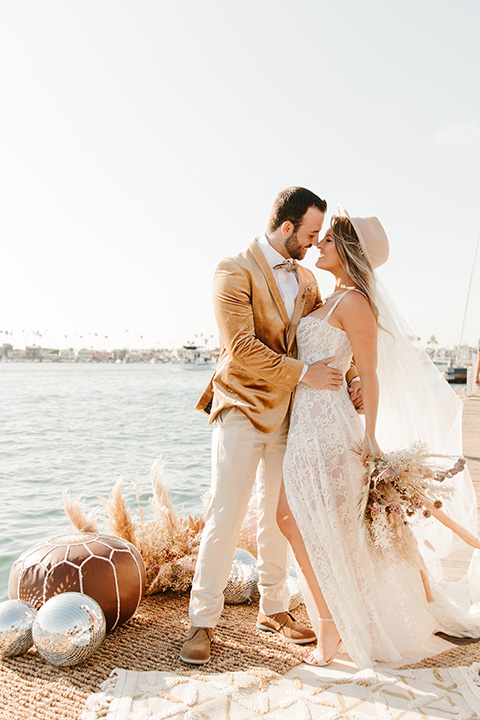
(353, 259)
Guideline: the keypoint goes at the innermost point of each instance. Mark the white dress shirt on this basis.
(287, 281)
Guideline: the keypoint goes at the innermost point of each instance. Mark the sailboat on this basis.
(464, 359)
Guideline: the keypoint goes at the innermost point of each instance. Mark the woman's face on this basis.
(328, 258)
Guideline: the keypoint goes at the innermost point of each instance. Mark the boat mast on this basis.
(468, 292)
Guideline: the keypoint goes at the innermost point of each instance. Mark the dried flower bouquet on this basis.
(398, 487)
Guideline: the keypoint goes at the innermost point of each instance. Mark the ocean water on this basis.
(81, 427)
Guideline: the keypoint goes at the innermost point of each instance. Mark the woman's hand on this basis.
(355, 391)
(370, 448)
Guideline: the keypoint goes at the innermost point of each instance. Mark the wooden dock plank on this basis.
(458, 562)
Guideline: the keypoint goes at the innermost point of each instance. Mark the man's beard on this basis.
(293, 248)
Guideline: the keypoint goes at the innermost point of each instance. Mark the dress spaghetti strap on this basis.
(338, 300)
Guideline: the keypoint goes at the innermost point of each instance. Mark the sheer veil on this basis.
(418, 405)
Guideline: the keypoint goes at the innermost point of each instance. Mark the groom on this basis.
(260, 295)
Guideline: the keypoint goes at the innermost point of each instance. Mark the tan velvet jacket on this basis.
(257, 369)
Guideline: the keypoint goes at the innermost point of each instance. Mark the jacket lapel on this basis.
(298, 307)
(271, 282)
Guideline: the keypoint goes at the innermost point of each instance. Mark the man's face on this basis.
(297, 243)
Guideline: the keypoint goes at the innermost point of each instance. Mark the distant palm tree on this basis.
(431, 345)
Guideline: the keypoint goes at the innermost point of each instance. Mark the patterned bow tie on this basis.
(287, 265)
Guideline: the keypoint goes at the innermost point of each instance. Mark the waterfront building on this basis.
(85, 355)
(67, 355)
(101, 356)
(49, 355)
(33, 352)
(5, 349)
(16, 354)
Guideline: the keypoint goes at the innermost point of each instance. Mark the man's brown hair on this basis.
(292, 204)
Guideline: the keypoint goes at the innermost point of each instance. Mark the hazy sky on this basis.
(143, 141)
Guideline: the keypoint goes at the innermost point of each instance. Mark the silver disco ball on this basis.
(294, 589)
(16, 620)
(243, 578)
(68, 628)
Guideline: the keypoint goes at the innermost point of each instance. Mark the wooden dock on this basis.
(458, 563)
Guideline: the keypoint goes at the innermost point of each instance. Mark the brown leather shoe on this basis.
(285, 625)
(196, 648)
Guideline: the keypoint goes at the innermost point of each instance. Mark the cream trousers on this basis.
(240, 453)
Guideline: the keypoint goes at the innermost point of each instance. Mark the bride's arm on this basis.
(357, 319)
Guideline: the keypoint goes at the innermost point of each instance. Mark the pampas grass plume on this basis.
(168, 543)
(120, 521)
(163, 509)
(75, 511)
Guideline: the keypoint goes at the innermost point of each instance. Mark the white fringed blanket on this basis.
(436, 694)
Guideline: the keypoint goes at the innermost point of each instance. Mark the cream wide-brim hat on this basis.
(372, 236)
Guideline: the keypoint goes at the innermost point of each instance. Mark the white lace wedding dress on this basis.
(381, 611)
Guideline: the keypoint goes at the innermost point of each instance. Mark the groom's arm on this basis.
(232, 303)
(234, 314)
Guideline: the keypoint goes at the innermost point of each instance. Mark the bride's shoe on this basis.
(314, 657)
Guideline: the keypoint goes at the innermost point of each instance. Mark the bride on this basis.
(378, 609)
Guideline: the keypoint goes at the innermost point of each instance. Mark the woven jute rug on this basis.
(466, 652)
(31, 688)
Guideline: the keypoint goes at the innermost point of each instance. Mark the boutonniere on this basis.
(310, 288)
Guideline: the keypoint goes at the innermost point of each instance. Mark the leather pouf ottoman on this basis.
(108, 569)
